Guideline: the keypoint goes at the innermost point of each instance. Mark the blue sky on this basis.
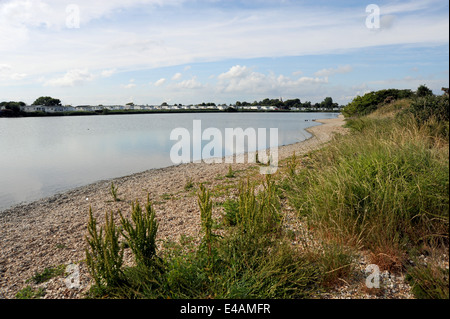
(193, 51)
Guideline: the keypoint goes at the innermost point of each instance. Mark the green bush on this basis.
(113, 191)
(231, 208)
(104, 255)
(369, 102)
(141, 234)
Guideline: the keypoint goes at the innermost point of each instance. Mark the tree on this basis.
(423, 91)
(47, 101)
(13, 106)
(292, 103)
(327, 103)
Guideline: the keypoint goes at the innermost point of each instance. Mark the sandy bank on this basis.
(50, 231)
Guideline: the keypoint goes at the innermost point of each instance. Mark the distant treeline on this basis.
(288, 104)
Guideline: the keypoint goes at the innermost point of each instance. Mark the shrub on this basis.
(230, 173)
(113, 192)
(231, 210)
(141, 234)
(369, 102)
(104, 255)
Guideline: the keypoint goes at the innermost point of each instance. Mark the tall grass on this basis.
(383, 188)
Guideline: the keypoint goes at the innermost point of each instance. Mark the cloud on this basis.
(107, 73)
(332, 71)
(18, 76)
(177, 76)
(190, 84)
(160, 82)
(295, 30)
(236, 72)
(7, 73)
(243, 79)
(130, 85)
(71, 78)
(5, 67)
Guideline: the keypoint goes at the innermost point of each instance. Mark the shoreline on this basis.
(50, 231)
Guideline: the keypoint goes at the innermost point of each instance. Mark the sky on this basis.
(193, 51)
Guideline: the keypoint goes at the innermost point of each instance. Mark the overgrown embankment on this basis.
(384, 189)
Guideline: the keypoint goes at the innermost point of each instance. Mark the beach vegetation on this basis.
(189, 184)
(140, 233)
(29, 292)
(47, 274)
(230, 173)
(113, 192)
(253, 259)
(384, 189)
(104, 252)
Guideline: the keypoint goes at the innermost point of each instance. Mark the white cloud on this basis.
(243, 79)
(177, 76)
(160, 82)
(5, 67)
(71, 78)
(108, 73)
(332, 71)
(235, 72)
(190, 84)
(130, 85)
(18, 76)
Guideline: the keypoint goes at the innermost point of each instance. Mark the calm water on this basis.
(41, 156)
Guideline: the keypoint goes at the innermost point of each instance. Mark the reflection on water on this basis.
(43, 156)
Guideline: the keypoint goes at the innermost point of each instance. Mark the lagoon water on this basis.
(43, 156)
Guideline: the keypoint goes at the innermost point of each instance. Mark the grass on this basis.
(384, 188)
(429, 282)
(47, 274)
(189, 185)
(230, 173)
(30, 293)
(113, 192)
